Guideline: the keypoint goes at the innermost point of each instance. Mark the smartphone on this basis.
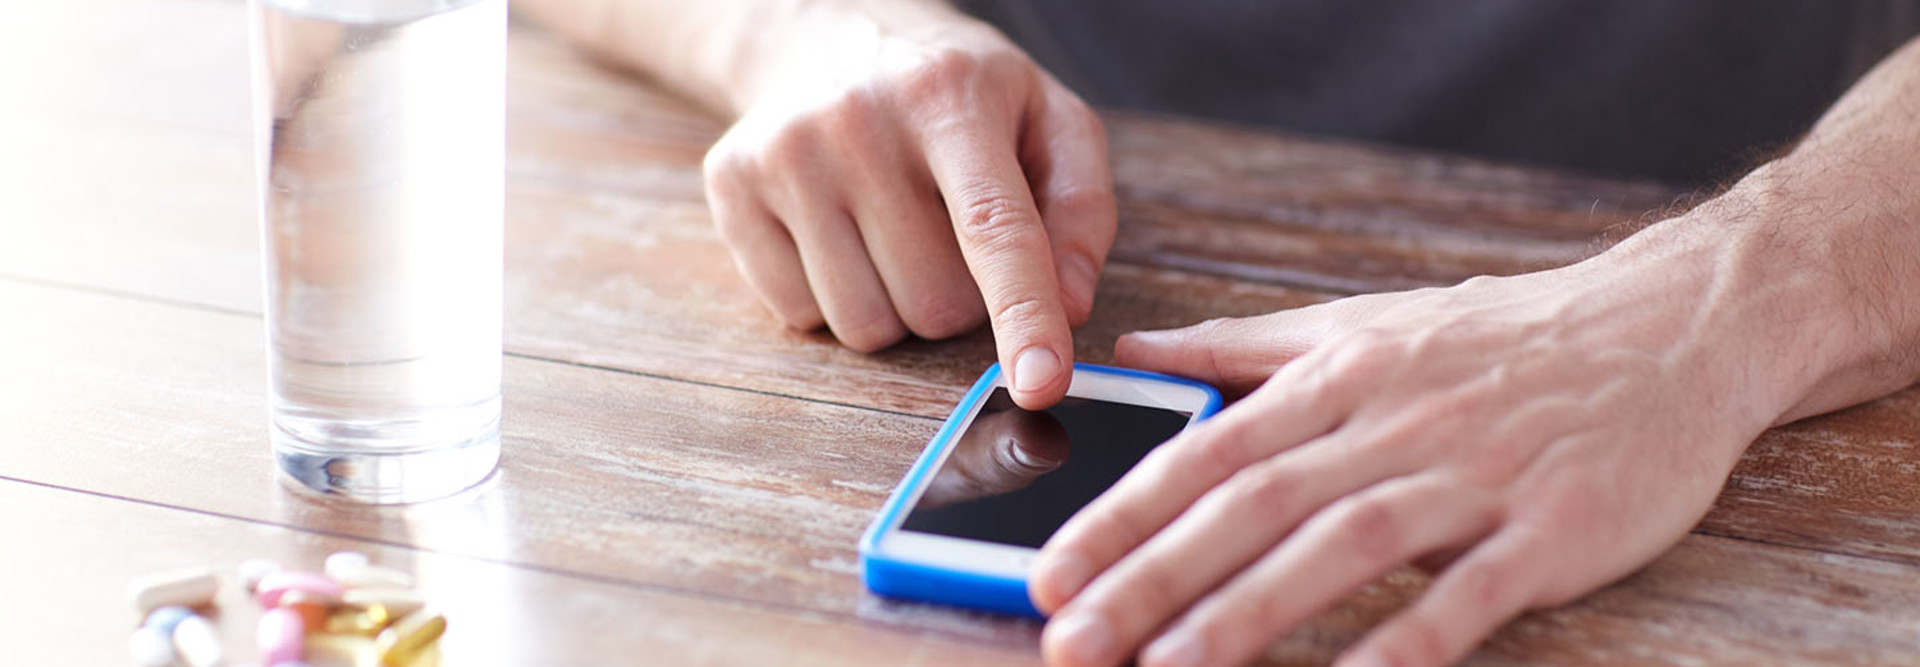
(997, 481)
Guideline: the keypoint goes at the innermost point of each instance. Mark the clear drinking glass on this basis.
(380, 136)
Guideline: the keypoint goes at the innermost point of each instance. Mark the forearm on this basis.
(1818, 252)
(719, 52)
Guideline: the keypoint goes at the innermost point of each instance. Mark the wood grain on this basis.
(724, 495)
(612, 261)
(86, 547)
(674, 454)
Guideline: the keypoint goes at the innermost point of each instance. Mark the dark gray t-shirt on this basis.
(1685, 91)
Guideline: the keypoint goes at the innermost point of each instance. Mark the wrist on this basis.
(791, 43)
(1801, 288)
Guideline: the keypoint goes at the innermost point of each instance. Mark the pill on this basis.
(278, 584)
(196, 642)
(398, 601)
(150, 647)
(429, 657)
(374, 576)
(165, 618)
(354, 620)
(186, 587)
(252, 569)
(312, 607)
(341, 562)
(410, 637)
(341, 651)
(281, 636)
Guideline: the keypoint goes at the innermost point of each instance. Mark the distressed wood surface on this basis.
(677, 460)
(655, 488)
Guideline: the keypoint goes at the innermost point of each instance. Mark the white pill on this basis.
(197, 643)
(342, 562)
(151, 648)
(373, 576)
(253, 569)
(187, 587)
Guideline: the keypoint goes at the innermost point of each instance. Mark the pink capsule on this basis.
(278, 584)
(282, 636)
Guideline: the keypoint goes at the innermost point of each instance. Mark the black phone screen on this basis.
(1016, 475)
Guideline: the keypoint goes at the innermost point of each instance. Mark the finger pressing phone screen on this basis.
(1015, 475)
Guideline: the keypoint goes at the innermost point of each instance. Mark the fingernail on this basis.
(1077, 278)
(1034, 369)
(1086, 637)
(1065, 575)
(1180, 648)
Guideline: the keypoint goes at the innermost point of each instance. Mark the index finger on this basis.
(1001, 236)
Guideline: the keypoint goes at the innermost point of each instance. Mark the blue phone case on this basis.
(916, 581)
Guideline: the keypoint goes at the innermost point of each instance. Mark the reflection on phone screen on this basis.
(1015, 475)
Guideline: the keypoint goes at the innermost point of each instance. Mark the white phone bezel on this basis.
(1004, 560)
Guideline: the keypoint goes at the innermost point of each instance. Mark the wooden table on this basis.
(683, 480)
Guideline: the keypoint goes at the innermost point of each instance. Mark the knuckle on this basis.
(943, 316)
(1485, 586)
(1027, 314)
(1223, 454)
(993, 219)
(870, 334)
(1151, 591)
(725, 171)
(798, 317)
(1262, 488)
(1421, 642)
(942, 73)
(1371, 528)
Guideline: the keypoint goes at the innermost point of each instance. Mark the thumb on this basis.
(1234, 354)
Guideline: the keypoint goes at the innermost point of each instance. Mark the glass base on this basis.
(374, 476)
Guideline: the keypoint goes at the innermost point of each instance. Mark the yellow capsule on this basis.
(398, 601)
(430, 657)
(410, 638)
(341, 651)
(365, 621)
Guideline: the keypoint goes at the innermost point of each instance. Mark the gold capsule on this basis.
(365, 621)
(427, 658)
(341, 651)
(398, 601)
(410, 638)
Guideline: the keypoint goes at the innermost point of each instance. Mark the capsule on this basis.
(253, 569)
(373, 576)
(345, 650)
(410, 638)
(151, 647)
(165, 618)
(186, 587)
(398, 601)
(339, 563)
(281, 636)
(312, 607)
(274, 586)
(197, 643)
(365, 621)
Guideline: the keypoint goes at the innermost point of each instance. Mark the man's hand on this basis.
(1528, 439)
(897, 167)
(910, 170)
